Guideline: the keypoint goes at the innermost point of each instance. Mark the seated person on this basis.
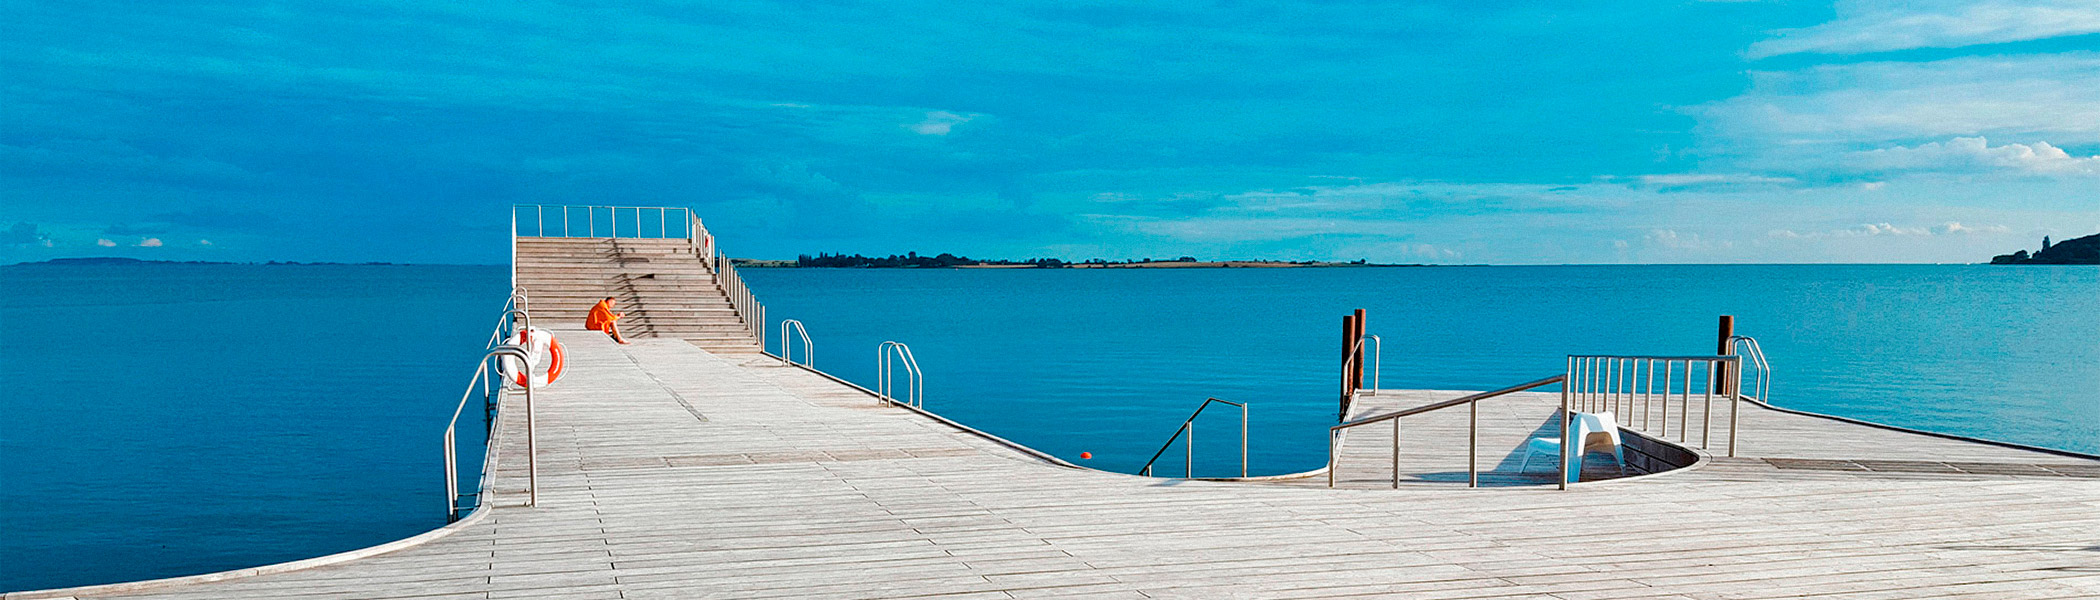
(602, 318)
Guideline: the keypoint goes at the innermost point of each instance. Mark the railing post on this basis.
(1562, 479)
(1735, 405)
(1472, 444)
(1356, 371)
(1188, 442)
(1332, 464)
(1396, 453)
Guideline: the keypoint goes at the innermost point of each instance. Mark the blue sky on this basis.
(1452, 132)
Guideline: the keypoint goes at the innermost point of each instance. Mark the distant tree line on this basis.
(913, 260)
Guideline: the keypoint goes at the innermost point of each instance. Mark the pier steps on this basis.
(662, 287)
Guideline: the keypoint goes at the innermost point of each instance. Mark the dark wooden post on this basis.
(1356, 375)
(1722, 376)
(1348, 345)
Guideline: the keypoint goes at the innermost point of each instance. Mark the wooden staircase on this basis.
(663, 288)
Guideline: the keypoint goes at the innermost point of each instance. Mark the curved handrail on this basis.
(890, 352)
(1377, 362)
(481, 375)
(808, 350)
(1188, 426)
(1472, 439)
(1762, 385)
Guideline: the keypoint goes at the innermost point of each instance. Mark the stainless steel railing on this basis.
(787, 349)
(1472, 402)
(1746, 347)
(1627, 387)
(549, 220)
(558, 220)
(747, 307)
(1377, 361)
(485, 377)
(893, 353)
(1187, 433)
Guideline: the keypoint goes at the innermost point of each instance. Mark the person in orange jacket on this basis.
(602, 318)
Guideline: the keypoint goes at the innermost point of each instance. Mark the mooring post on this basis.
(1721, 375)
(1356, 373)
(1348, 347)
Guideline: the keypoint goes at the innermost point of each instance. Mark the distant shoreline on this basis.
(113, 261)
(946, 261)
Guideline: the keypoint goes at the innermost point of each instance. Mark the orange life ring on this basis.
(540, 346)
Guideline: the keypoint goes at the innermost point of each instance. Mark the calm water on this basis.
(1109, 362)
(168, 420)
(162, 421)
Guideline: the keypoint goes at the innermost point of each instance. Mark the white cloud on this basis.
(150, 243)
(1975, 154)
(105, 243)
(1953, 227)
(204, 242)
(939, 122)
(1670, 238)
(1888, 229)
(1883, 25)
(1802, 117)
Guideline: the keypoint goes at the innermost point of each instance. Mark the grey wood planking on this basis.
(670, 472)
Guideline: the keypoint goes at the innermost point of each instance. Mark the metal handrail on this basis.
(1626, 386)
(746, 305)
(590, 213)
(808, 350)
(1746, 346)
(915, 390)
(1377, 362)
(481, 376)
(1472, 436)
(1188, 426)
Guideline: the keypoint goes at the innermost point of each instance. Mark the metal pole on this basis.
(1562, 479)
(1243, 441)
(532, 436)
(1735, 407)
(1356, 371)
(1648, 396)
(1188, 466)
(1331, 466)
(1706, 427)
(1669, 373)
(451, 480)
(1472, 444)
(1684, 417)
(1396, 453)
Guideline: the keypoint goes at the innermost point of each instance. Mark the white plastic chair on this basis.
(1596, 430)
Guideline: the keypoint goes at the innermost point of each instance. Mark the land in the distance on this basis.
(121, 262)
(945, 260)
(2076, 251)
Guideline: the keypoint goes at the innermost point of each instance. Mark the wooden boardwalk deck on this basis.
(1774, 444)
(670, 472)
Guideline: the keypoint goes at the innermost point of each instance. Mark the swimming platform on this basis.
(670, 470)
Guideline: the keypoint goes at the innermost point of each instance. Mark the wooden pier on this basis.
(672, 471)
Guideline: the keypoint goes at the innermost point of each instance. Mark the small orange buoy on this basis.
(1086, 456)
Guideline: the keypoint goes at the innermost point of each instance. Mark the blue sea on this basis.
(167, 420)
